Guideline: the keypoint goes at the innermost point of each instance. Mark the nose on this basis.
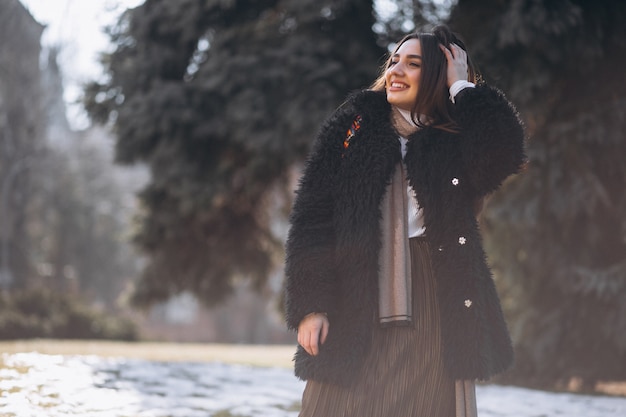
(397, 69)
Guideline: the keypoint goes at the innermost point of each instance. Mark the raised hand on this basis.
(457, 63)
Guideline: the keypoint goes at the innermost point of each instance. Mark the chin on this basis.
(401, 105)
(398, 102)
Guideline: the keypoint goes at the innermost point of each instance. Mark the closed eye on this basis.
(412, 64)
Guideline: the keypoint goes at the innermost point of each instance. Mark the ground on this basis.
(107, 379)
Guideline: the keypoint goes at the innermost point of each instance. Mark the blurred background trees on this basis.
(220, 100)
(64, 211)
(22, 128)
(557, 233)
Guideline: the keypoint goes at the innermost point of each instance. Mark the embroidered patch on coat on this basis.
(356, 125)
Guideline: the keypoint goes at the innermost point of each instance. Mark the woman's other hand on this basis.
(457, 63)
(312, 332)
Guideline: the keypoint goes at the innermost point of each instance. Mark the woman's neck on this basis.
(402, 121)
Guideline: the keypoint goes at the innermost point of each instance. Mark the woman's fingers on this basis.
(446, 52)
(458, 53)
(454, 53)
(314, 346)
(324, 331)
(312, 332)
(303, 339)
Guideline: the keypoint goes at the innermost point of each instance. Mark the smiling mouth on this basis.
(398, 85)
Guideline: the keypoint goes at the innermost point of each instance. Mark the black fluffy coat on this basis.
(334, 239)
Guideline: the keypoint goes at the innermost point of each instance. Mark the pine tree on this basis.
(22, 129)
(220, 99)
(557, 233)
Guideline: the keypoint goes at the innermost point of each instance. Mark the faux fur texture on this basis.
(334, 239)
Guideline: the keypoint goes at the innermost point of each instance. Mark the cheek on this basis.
(416, 78)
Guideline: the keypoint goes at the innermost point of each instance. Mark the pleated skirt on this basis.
(403, 375)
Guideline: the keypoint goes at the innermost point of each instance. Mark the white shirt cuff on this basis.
(459, 85)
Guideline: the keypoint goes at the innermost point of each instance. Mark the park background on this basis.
(152, 204)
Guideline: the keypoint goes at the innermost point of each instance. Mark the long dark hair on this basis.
(433, 95)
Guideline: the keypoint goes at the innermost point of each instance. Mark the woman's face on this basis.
(403, 75)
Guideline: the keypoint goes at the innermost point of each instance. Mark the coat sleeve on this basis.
(309, 264)
(492, 137)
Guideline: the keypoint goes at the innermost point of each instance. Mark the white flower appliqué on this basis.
(455, 181)
(468, 303)
(462, 240)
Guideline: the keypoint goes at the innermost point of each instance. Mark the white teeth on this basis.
(399, 85)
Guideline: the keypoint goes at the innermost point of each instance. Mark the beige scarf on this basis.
(394, 277)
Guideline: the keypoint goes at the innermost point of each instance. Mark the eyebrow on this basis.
(413, 56)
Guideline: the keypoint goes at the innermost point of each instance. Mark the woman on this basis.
(387, 283)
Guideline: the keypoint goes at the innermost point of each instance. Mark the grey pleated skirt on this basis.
(403, 375)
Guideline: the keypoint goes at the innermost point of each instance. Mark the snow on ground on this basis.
(37, 385)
